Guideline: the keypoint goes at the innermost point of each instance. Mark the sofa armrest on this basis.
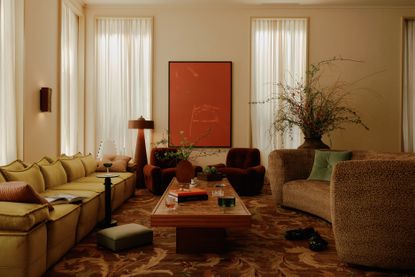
(288, 165)
(256, 170)
(372, 210)
(131, 167)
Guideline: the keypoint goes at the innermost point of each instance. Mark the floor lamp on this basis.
(140, 149)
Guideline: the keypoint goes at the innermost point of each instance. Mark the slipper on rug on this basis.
(299, 234)
(317, 243)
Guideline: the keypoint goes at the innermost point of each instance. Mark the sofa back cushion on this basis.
(2, 179)
(44, 161)
(54, 174)
(74, 168)
(31, 175)
(90, 164)
(15, 165)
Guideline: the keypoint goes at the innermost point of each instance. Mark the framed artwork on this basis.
(200, 103)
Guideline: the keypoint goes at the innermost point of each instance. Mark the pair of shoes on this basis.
(299, 234)
(317, 243)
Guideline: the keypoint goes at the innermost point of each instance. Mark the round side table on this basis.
(108, 221)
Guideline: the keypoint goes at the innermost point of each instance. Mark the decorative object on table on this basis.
(210, 173)
(107, 165)
(244, 171)
(185, 171)
(200, 99)
(316, 109)
(124, 237)
(193, 194)
(108, 221)
(226, 201)
(171, 202)
(140, 149)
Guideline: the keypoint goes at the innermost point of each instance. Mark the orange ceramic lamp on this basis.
(140, 149)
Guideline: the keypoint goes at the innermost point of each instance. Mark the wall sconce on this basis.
(45, 99)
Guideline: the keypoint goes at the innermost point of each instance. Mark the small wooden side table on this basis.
(108, 221)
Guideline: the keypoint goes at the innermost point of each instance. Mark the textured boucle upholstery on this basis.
(304, 194)
(373, 212)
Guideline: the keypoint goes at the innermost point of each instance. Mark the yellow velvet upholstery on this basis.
(21, 216)
(89, 163)
(95, 187)
(74, 168)
(15, 165)
(89, 209)
(43, 161)
(61, 230)
(54, 174)
(31, 175)
(2, 179)
(24, 253)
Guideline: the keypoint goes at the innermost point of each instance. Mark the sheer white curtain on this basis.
(123, 78)
(409, 87)
(279, 54)
(11, 28)
(69, 98)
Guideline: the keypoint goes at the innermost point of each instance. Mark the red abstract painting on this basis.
(200, 103)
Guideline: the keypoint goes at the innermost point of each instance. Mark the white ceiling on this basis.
(255, 2)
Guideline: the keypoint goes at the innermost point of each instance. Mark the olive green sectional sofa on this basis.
(32, 237)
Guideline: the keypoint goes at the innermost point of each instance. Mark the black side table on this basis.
(108, 221)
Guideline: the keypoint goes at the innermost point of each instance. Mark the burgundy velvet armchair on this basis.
(159, 173)
(244, 170)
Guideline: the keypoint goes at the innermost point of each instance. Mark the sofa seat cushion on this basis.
(95, 187)
(89, 195)
(93, 179)
(22, 216)
(308, 195)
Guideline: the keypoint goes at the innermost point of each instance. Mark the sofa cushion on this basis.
(21, 216)
(31, 175)
(74, 168)
(15, 165)
(89, 163)
(308, 195)
(2, 179)
(44, 161)
(21, 192)
(324, 161)
(95, 187)
(54, 174)
(119, 163)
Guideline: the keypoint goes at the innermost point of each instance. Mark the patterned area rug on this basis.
(260, 251)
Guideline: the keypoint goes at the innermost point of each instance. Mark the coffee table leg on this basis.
(191, 240)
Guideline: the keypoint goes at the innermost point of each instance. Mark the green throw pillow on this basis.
(324, 161)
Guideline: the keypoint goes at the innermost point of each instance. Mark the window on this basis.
(408, 93)
(278, 54)
(11, 78)
(123, 78)
(71, 94)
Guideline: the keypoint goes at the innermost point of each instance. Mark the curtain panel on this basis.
(71, 111)
(123, 79)
(11, 59)
(408, 97)
(278, 54)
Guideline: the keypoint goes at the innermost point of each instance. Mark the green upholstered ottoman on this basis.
(124, 236)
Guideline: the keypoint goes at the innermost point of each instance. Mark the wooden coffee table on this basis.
(201, 225)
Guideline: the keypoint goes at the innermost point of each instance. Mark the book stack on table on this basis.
(189, 194)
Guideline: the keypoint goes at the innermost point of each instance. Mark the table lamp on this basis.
(140, 149)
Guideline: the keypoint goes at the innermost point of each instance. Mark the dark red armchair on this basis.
(159, 173)
(244, 170)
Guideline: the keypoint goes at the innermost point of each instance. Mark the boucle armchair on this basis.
(373, 212)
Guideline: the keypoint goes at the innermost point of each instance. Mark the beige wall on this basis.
(41, 69)
(223, 33)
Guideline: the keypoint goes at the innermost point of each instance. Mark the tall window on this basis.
(70, 98)
(123, 78)
(279, 54)
(11, 30)
(408, 107)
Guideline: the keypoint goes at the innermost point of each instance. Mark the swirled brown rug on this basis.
(260, 251)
